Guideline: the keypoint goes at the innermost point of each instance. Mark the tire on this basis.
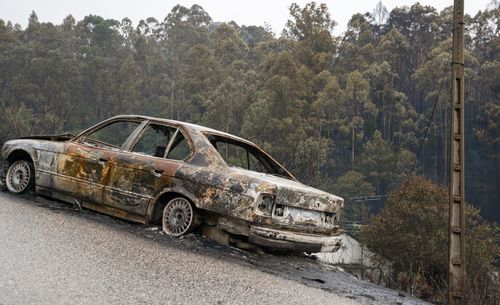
(178, 217)
(20, 177)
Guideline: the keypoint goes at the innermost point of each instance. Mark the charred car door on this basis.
(146, 167)
(84, 164)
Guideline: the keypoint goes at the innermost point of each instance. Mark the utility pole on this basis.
(456, 276)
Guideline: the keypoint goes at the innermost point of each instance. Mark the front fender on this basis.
(18, 145)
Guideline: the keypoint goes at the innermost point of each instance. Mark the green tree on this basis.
(186, 35)
(360, 110)
(310, 27)
(379, 162)
(353, 183)
(280, 106)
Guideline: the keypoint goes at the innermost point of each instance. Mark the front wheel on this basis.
(178, 216)
(20, 177)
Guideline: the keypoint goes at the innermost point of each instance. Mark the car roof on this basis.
(199, 128)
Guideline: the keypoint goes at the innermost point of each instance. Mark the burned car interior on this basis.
(180, 176)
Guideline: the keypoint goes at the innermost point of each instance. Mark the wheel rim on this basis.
(18, 177)
(177, 217)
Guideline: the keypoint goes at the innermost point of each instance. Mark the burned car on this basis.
(179, 175)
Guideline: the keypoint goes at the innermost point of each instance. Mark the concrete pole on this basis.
(456, 277)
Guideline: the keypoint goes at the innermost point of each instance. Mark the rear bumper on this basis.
(283, 240)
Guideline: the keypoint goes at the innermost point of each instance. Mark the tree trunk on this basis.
(352, 145)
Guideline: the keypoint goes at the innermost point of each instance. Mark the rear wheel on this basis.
(178, 216)
(20, 177)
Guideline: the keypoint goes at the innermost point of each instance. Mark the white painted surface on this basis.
(352, 252)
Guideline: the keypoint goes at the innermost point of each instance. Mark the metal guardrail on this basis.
(353, 217)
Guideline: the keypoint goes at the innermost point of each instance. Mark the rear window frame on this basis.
(247, 144)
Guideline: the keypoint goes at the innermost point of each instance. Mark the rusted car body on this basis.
(146, 166)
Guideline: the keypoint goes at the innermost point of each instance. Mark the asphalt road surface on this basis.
(51, 253)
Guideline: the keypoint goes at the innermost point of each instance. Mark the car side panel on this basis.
(216, 191)
(46, 163)
(136, 179)
(82, 171)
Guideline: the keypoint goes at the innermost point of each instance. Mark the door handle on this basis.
(157, 172)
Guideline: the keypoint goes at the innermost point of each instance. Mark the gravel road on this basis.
(51, 253)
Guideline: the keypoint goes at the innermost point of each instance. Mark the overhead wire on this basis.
(425, 134)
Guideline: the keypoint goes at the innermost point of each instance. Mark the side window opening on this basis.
(112, 135)
(179, 149)
(154, 140)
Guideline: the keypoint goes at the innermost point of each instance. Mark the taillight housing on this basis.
(265, 204)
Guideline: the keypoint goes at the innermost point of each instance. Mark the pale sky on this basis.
(254, 12)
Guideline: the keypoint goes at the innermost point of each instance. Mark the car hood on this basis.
(290, 192)
(56, 137)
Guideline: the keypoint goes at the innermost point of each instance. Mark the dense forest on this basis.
(347, 114)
